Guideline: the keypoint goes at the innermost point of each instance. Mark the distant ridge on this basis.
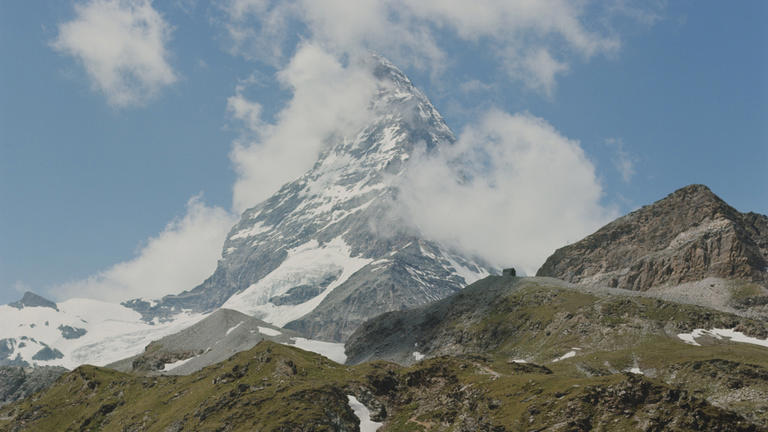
(31, 299)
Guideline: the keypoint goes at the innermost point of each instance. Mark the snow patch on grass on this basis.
(170, 366)
(567, 355)
(364, 414)
(728, 334)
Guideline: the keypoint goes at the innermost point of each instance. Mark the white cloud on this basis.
(537, 70)
(122, 46)
(522, 33)
(622, 160)
(248, 112)
(329, 100)
(526, 190)
(177, 259)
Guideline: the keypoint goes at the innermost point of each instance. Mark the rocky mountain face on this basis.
(328, 250)
(18, 382)
(688, 236)
(546, 326)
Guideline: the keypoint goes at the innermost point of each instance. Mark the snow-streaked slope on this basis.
(80, 331)
(307, 264)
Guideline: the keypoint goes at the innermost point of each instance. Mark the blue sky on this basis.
(112, 166)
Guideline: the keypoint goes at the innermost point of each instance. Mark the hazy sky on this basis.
(132, 133)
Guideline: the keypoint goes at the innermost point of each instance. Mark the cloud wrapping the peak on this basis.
(180, 257)
(511, 190)
(329, 100)
(122, 46)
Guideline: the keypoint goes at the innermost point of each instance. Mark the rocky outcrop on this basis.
(31, 299)
(18, 382)
(688, 236)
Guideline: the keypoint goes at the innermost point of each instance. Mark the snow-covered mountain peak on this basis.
(312, 244)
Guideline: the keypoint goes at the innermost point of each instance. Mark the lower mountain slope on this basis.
(274, 387)
(549, 322)
(211, 340)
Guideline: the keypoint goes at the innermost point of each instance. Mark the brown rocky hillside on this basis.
(690, 235)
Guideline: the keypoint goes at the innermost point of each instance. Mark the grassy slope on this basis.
(279, 388)
(259, 390)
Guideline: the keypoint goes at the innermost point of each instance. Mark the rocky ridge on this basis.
(688, 236)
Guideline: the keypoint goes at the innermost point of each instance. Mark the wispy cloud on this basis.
(622, 160)
(522, 35)
(177, 259)
(537, 69)
(122, 46)
(329, 100)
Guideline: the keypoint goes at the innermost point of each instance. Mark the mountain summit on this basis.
(328, 250)
(31, 299)
(688, 236)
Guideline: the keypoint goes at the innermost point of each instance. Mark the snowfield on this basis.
(109, 332)
(307, 264)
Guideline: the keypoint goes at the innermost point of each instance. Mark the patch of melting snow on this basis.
(332, 350)
(269, 331)
(567, 355)
(364, 414)
(170, 366)
(519, 361)
(730, 334)
(233, 328)
(635, 370)
(418, 356)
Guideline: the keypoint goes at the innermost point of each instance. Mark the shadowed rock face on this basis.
(17, 382)
(690, 235)
(31, 299)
